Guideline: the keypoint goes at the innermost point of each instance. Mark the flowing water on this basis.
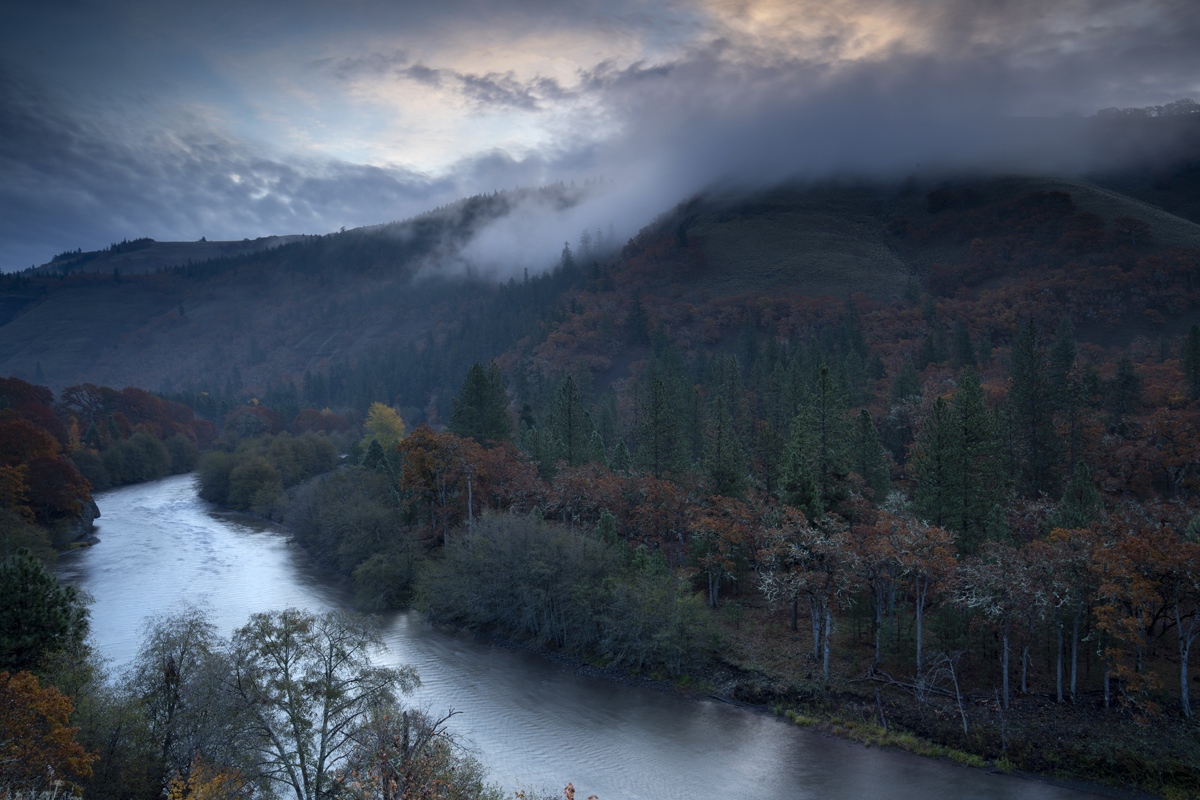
(532, 722)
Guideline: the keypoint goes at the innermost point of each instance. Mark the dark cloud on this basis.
(711, 97)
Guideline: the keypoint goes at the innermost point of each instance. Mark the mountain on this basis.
(380, 313)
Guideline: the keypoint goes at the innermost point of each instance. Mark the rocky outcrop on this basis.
(86, 524)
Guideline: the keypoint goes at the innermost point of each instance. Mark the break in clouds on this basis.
(231, 123)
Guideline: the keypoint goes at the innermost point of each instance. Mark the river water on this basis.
(532, 722)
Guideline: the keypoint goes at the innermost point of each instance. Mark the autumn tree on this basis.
(37, 749)
(385, 425)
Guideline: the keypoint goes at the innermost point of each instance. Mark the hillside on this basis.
(330, 305)
(147, 255)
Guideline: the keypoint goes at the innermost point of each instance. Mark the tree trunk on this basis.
(815, 613)
(795, 612)
(1006, 662)
(922, 588)
(1075, 649)
(828, 631)
(1185, 642)
(1059, 664)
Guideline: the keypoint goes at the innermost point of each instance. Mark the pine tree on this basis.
(906, 385)
(1029, 408)
(1062, 355)
(1189, 360)
(374, 459)
(982, 473)
(964, 348)
(801, 487)
(724, 460)
(637, 324)
(37, 616)
(481, 409)
(569, 424)
(621, 462)
(828, 405)
(1124, 391)
(868, 459)
(659, 437)
(936, 468)
(1080, 505)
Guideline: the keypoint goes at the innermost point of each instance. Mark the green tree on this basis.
(936, 468)
(724, 460)
(906, 385)
(37, 616)
(621, 460)
(1062, 359)
(660, 445)
(1080, 505)
(637, 324)
(867, 457)
(964, 348)
(1124, 391)
(1030, 406)
(308, 685)
(481, 409)
(570, 425)
(1189, 360)
(982, 474)
(801, 486)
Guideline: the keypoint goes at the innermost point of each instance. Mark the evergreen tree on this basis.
(658, 438)
(867, 457)
(37, 616)
(1062, 358)
(607, 422)
(637, 324)
(768, 455)
(1189, 360)
(906, 385)
(1080, 505)
(980, 467)
(542, 451)
(569, 424)
(936, 468)
(801, 486)
(724, 460)
(481, 409)
(850, 338)
(595, 450)
(1029, 408)
(876, 369)
(375, 459)
(621, 462)
(964, 348)
(1124, 391)
(748, 346)
(828, 405)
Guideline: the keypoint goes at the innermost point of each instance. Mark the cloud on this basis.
(233, 134)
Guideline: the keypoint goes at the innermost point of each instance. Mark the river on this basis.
(534, 723)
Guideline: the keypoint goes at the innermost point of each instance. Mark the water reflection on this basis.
(533, 722)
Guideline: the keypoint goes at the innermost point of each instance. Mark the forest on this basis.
(963, 521)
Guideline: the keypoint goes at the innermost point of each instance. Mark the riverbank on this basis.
(1080, 747)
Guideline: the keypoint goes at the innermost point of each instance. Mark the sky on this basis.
(243, 119)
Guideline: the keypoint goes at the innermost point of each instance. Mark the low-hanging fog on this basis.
(175, 121)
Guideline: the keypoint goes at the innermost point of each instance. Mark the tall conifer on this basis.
(724, 461)
(936, 468)
(867, 457)
(1029, 409)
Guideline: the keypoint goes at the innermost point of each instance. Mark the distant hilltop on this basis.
(146, 255)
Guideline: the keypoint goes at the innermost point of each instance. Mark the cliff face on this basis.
(83, 528)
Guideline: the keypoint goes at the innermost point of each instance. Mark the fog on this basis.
(258, 137)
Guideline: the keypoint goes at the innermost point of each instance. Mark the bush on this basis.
(254, 474)
(184, 454)
(565, 588)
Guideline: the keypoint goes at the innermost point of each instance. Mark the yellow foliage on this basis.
(205, 782)
(384, 424)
